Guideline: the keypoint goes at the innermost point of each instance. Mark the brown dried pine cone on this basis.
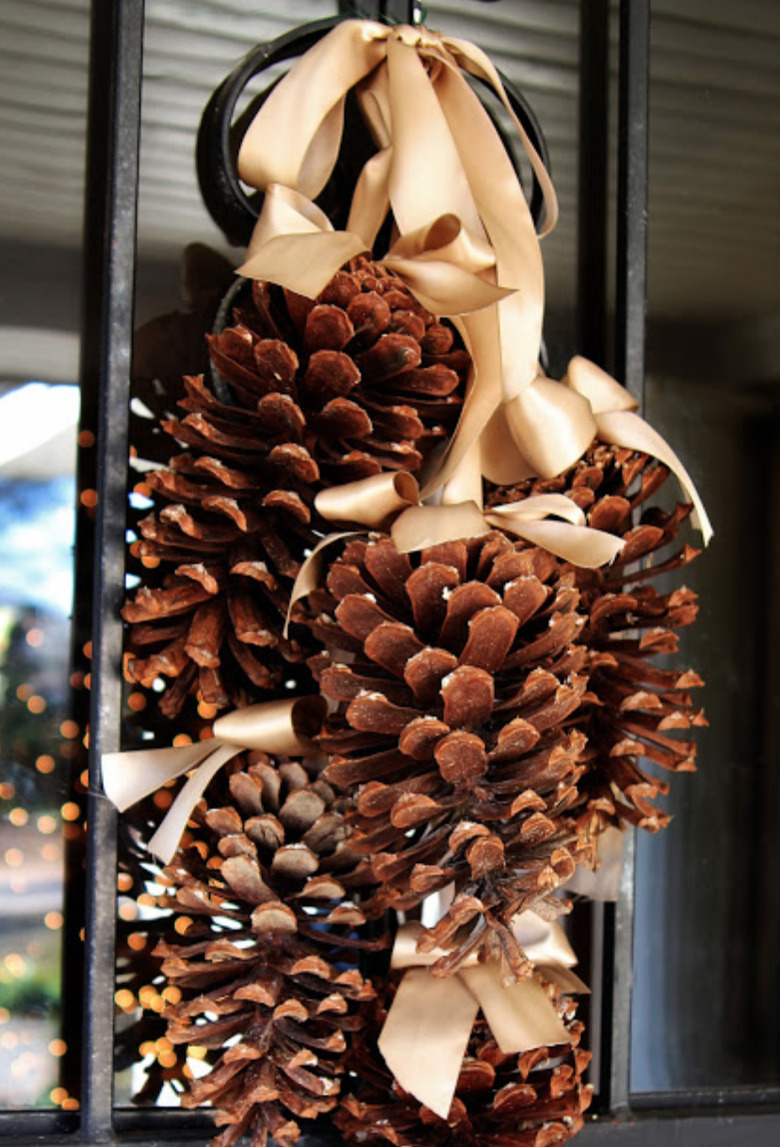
(269, 954)
(309, 394)
(457, 675)
(635, 703)
(536, 1099)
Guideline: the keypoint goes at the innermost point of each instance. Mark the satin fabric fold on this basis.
(280, 728)
(427, 1029)
(618, 423)
(440, 155)
(467, 247)
(391, 502)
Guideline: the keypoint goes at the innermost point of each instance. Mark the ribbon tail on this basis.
(624, 428)
(521, 1015)
(479, 330)
(131, 776)
(368, 501)
(543, 941)
(473, 60)
(567, 980)
(580, 545)
(166, 839)
(552, 427)
(309, 574)
(466, 483)
(371, 200)
(425, 1036)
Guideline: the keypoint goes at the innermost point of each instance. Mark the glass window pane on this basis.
(706, 939)
(43, 85)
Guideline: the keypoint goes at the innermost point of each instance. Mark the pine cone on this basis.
(634, 703)
(308, 395)
(271, 956)
(536, 1099)
(461, 678)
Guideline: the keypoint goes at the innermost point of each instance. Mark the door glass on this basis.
(43, 85)
(707, 939)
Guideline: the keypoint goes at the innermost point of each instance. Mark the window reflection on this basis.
(38, 739)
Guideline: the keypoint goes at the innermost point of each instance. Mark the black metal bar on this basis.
(588, 927)
(631, 279)
(630, 318)
(706, 1099)
(109, 245)
(593, 197)
(710, 1128)
(41, 1123)
(715, 1130)
(620, 961)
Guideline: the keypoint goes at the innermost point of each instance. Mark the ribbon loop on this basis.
(368, 501)
(280, 728)
(392, 501)
(426, 1033)
(467, 247)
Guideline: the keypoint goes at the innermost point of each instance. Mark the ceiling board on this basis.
(715, 127)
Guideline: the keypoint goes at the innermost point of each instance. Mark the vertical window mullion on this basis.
(630, 322)
(109, 246)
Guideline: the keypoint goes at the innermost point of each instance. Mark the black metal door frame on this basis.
(718, 1119)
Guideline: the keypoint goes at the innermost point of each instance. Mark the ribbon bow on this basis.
(611, 414)
(467, 246)
(281, 728)
(392, 500)
(427, 1029)
(443, 170)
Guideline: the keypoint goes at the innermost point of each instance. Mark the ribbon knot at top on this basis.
(466, 247)
(439, 155)
(427, 1029)
(279, 728)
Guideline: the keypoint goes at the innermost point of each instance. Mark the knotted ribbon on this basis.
(392, 501)
(440, 158)
(614, 419)
(427, 1029)
(280, 728)
(467, 246)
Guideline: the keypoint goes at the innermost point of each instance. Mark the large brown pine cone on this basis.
(270, 952)
(461, 677)
(635, 703)
(536, 1099)
(309, 394)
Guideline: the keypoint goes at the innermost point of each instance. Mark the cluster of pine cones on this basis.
(489, 705)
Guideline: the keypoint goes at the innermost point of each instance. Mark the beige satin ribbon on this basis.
(440, 159)
(280, 728)
(467, 247)
(426, 1033)
(391, 501)
(611, 414)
